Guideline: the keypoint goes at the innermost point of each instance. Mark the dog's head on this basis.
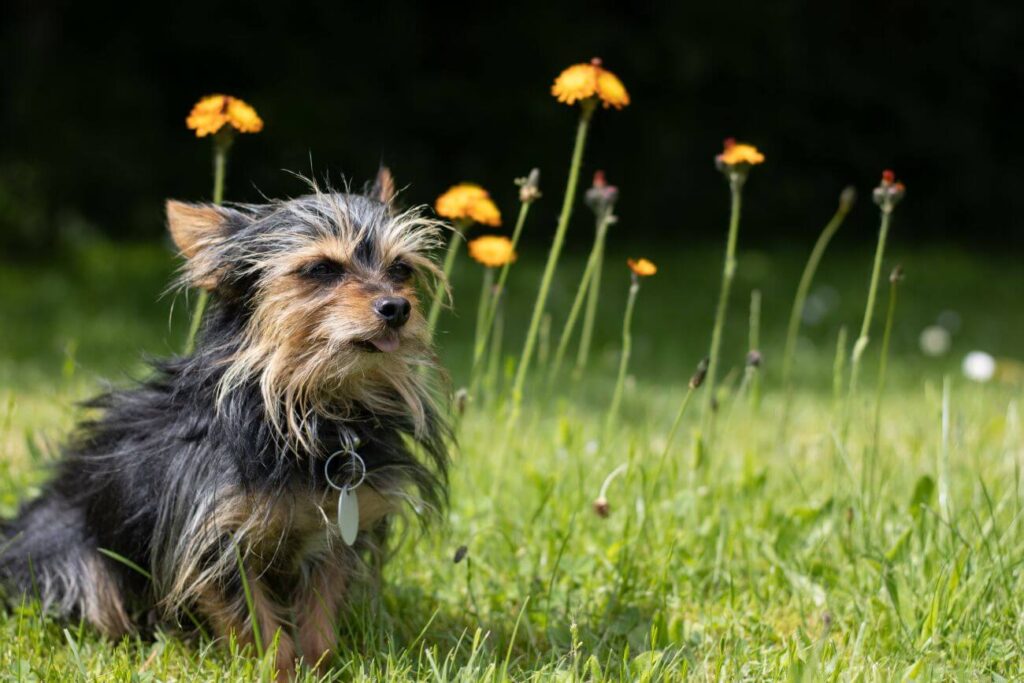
(324, 290)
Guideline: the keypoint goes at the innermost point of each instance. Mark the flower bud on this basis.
(601, 507)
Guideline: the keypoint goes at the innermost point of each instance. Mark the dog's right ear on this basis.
(194, 225)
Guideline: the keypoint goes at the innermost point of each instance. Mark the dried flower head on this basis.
(754, 358)
(847, 198)
(212, 113)
(737, 156)
(698, 376)
(602, 507)
(897, 274)
(468, 202)
(889, 192)
(492, 251)
(529, 187)
(580, 82)
(641, 267)
(601, 196)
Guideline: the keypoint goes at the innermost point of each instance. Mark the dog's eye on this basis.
(324, 270)
(400, 272)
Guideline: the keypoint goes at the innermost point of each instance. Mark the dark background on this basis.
(93, 104)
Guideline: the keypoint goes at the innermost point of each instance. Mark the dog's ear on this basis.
(384, 189)
(197, 229)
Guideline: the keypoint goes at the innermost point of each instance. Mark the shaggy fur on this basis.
(215, 465)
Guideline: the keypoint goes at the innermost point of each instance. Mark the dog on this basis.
(221, 487)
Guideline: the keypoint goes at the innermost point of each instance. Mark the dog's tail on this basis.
(47, 553)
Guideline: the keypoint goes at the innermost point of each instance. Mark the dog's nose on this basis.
(393, 309)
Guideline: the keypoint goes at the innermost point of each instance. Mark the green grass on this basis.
(751, 560)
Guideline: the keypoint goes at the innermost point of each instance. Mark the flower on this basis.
(529, 187)
(211, 113)
(583, 81)
(492, 250)
(979, 366)
(642, 267)
(468, 201)
(889, 192)
(601, 196)
(738, 154)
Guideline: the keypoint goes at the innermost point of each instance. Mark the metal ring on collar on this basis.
(356, 458)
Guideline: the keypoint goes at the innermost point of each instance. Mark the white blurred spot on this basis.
(820, 303)
(979, 366)
(934, 340)
(591, 447)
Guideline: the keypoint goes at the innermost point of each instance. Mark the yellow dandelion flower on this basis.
(492, 250)
(213, 112)
(735, 153)
(642, 267)
(467, 201)
(582, 81)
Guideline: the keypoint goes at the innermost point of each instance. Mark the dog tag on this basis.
(348, 515)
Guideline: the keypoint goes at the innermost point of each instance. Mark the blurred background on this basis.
(93, 101)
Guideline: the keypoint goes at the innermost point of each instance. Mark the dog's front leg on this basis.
(316, 609)
(228, 612)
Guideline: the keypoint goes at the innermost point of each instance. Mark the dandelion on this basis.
(588, 85)
(464, 204)
(220, 116)
(640, 268)
(492, 251)
(934, 341)
(529, 192)
(888, 193)
(735, 162)
(581, 82)
(601, 198)
(212, 113)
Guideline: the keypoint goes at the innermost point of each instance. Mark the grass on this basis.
(752, 559)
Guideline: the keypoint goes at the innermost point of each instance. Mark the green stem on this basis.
(880, 387)
(728, 272)
(584, 291)
(869, 310)
(753, 369)
(499, 289)
(799, 301)
(449, 264)
(221, 144)
(627, 348)
(586, 111)
(593, 295)
(483, 308)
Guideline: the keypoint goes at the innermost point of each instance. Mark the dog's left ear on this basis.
(197, 231)
(384, 189)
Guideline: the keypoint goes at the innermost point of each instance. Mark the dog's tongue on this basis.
(386, 342)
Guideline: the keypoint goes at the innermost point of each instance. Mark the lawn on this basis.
(746, 558)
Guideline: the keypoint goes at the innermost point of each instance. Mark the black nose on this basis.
(393, 309)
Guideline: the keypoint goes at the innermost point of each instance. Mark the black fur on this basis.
(171, 443)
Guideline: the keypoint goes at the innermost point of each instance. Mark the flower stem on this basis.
(799, 301)
(449, 264)
(586, 112)
(880, 386)
(499, 290)
(220, 163)
(753, 370)
(593, 295)
(728, 272)
(584, 291)
(627, 348)
(869, 310)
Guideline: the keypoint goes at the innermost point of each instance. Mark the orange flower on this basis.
(467, 201)
(213, 112)
(583, 81)
(736, 153)
(642, 267)
(492, 250)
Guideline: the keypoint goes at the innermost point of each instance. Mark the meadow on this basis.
(741, 558)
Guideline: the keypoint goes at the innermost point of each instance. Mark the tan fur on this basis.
(104, 608)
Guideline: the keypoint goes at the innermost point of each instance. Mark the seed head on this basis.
(698, 377)
(601, 507)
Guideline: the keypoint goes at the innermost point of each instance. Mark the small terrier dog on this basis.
(272, 460)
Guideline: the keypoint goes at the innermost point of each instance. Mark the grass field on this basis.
(749, 559)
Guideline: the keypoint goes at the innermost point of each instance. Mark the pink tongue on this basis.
(387, 343)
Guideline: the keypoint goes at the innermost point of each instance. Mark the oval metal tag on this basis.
(348, 515)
